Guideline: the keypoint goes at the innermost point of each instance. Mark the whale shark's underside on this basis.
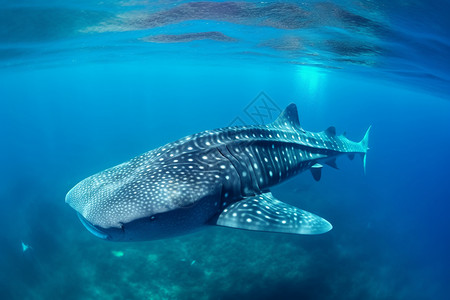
(220, 177)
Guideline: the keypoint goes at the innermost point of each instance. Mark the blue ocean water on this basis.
(87, 85)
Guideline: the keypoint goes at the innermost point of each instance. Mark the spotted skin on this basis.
(207, 177)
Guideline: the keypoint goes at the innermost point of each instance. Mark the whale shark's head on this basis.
(138, 201)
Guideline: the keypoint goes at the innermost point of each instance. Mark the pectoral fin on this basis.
(265, 213)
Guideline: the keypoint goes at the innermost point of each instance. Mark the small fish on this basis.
(25, 247)
(117, 253)
(220, 177)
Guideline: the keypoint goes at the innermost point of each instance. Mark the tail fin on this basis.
(365, 144)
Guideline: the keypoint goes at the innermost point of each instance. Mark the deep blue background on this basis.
(61, 125)
(78, 95)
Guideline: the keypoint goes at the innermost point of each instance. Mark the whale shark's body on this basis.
(218, 177)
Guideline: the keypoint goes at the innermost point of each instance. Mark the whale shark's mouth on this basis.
(93, 229)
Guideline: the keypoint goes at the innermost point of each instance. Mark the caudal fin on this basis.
(365, 144)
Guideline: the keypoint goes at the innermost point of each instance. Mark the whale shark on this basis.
(216, 177)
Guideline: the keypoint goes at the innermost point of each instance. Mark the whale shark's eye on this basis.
(152, 218)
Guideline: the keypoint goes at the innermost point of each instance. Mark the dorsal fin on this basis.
(288, 118)
(331, 131)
